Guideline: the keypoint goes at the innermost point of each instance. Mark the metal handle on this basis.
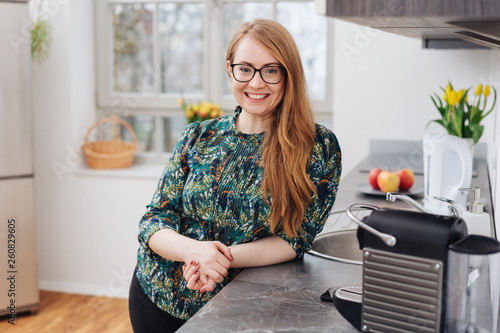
(386, 238)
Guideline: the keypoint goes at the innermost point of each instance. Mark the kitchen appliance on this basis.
(18, 264)
(474, 277)
(447, 168)
(413, 264)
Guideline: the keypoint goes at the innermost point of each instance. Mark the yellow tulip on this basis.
(453, 97)
(214, 114)
(479, 90)
(486, 92)
(460, 94)
(203, 112)
(448, 90)
(180, 101)
(444, 96)
(204, 109)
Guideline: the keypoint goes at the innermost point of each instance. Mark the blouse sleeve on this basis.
(165, 209)
(324, 170)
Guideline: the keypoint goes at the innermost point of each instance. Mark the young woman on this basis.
(250, 189)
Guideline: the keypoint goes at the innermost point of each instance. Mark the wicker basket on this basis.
(114, 154)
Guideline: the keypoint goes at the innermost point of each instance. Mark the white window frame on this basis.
(165, 105)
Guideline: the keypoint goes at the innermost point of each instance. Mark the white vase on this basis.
(447, 168)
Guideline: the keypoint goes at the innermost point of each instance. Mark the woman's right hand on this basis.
(214, 259)
(195, 280)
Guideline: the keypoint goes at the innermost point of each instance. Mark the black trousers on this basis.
(145, 316)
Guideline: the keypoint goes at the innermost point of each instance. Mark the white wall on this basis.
(382, 84)
(87, 224)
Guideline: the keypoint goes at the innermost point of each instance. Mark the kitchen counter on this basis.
(286, 297)
(279, 298)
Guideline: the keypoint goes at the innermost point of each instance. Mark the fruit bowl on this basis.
(367, 189)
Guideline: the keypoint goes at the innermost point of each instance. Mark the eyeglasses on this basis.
(269, 74)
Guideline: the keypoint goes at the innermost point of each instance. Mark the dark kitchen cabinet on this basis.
(441, 22)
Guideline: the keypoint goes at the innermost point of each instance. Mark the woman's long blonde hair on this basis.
(290, 137)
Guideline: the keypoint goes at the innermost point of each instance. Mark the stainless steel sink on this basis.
(338, 240)
(341, 245)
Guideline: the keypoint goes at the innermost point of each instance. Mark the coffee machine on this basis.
(421, 273)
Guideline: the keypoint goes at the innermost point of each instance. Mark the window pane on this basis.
(181, 34)
(309, 31)
(172, 130)
(234, 15)
(144, 127)
(132, 48)
(158, 52)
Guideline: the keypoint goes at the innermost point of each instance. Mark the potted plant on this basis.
(460, 117)
(448, 158)
(41, 36)
(200, 112)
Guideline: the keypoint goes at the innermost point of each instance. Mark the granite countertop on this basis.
(279, 298)
(286, 297)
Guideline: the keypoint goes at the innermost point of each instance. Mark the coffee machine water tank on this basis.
(473, 285)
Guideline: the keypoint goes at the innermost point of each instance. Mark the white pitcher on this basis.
(447, 167)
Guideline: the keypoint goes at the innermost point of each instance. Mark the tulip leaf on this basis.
(449, 83)
(440, 107)
(477, 132)
(476, 117)
(467, 133)
(439, 121)
(494, 101)
(457, 119)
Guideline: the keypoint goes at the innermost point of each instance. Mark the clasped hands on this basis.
(209, 265)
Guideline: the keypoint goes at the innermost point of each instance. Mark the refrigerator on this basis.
(18, 265)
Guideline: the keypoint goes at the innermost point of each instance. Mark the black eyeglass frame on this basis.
(255, 70)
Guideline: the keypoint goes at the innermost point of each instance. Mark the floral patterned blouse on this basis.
(211, 190)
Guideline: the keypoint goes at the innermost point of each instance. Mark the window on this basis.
(150, 53)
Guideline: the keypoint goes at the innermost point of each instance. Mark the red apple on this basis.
(407, 178)
(372, 178)
(388, 181)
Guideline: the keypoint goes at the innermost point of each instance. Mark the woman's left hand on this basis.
(195, 279)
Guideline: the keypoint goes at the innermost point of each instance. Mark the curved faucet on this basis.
(456, 210)
(392, 196)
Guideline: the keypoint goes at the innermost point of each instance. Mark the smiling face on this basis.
(256, 97)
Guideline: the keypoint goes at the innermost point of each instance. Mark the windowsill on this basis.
(137, 170)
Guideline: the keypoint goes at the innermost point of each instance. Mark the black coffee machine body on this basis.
(405, 268)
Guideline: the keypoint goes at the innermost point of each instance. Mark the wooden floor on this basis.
(71, 313)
